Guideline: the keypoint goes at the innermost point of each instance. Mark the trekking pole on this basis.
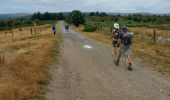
(112, 55)
(123, 60)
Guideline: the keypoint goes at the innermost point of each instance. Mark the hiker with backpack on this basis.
(122, 41)
(54, 29)
(116, 33)
(67, 27)
(125, 46)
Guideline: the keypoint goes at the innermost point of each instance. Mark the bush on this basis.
(89, 28)
(20, 29)
(76, 18)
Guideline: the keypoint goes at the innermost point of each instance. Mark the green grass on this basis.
(109, 21)
(38, 98)
(89, 28)
(28, 25)
(47, 22)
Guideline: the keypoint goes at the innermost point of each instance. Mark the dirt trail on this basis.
(89, 74)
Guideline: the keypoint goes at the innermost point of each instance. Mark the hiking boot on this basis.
(117, 63)
(130, 67)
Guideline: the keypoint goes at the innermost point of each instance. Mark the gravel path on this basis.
(86, 72)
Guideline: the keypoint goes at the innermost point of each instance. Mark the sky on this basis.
(116, 6)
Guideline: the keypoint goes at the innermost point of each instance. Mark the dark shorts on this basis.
(54, 31)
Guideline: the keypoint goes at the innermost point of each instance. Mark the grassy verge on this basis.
(146, 52)
(156, 55)
(129, 23)
(46, 22)
(94, 35)
(27, 25)
(24, 71)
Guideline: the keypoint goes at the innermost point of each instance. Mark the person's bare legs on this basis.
(129, 62)
(117, 55)
(129, 59)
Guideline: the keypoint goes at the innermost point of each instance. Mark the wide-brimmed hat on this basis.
(116, 25)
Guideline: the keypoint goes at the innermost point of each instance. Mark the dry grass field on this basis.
(149, 31)
(144, 51)
(23, 63)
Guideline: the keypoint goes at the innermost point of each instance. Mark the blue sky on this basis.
(121, 6)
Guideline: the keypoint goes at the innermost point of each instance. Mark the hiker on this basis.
(54, 29)
(116, 33)
(67, 27)
(125, 46)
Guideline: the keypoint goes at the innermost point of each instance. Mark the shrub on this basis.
(10, 31)
(20, 29)
(89, 28)
(76, 18)
(6, 32)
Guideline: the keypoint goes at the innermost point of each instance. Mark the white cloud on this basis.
(155, 6)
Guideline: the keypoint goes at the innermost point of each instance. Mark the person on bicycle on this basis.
(125, 46)
(54, 29)
(116, 33)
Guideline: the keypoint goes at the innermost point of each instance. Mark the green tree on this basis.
(76, 18)
(92, 14)
(61, 16)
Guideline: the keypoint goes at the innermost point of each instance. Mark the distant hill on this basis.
(17, 15)
(28, 15)
(126, 14)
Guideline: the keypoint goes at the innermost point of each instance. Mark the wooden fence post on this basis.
(154, 36)
(2, 60)
(31, 30)
(12, 34)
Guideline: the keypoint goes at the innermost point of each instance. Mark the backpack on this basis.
(53, 27)
(127, 39)
(117, 34)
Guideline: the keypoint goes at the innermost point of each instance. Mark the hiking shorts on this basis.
(126, 50)
(54, 31)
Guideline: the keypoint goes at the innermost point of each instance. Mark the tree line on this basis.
(38, 18)
(48, 16)
(102, 14)
(76, 18)
(139, 18)
(11, 23)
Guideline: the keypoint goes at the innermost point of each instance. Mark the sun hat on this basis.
(116, 25)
